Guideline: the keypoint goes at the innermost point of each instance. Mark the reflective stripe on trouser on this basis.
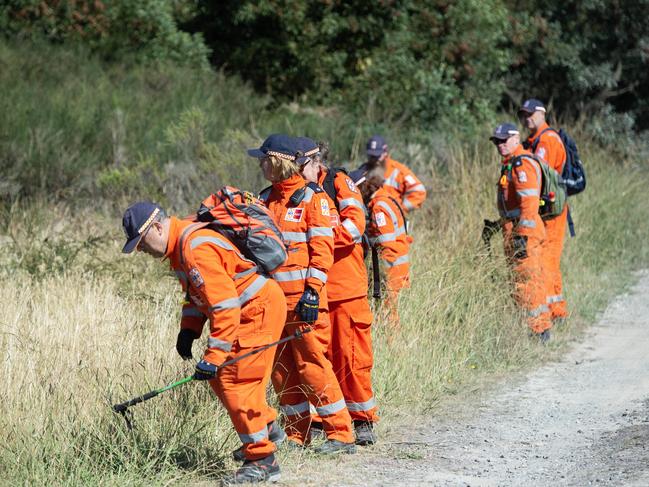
(302, 375)
(350, 352)
(241, 387)
(555, 231)
(530, 286)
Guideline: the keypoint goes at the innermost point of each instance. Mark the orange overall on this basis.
(350, 349)
(403, 185)
(519, 191)
(550, 148)
(302, 373)
(387, 231)
(245, 309)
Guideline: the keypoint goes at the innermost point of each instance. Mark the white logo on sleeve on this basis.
(541, 152)
(324, 207)
(522, 177)
(351, 185)
(380, 220)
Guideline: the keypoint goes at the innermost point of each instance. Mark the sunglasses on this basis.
(497, 142)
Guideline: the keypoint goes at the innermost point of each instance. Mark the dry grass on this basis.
(84, 327)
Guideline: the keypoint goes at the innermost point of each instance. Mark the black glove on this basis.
(307, 306)
(205, 370)
(489, 229)
(184, 343)
(520, 247)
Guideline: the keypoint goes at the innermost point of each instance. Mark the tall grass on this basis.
(84, 327)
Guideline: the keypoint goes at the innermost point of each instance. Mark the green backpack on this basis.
(553, 190)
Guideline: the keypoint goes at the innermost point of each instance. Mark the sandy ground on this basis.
(581, 421)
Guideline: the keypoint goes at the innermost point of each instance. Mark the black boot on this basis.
(364, 433)
(332, 447)
(254, 471)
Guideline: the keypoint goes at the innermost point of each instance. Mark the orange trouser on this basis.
(350, 352)
(530, 286)
(241, 387)
(555, 230)
(398, 277)
(303, 375)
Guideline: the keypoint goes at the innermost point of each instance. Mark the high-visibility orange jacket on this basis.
(220, 283)
(549, 147)
(348, 275)
(519, 190)
(387, 230)
(306, 228)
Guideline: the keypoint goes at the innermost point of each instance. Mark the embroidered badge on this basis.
(196, 278)
(294, 214)
(541, 152)
(324, 207)
(350, 184)
(522, 177)
(380, 220)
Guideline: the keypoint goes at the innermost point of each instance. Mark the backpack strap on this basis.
(537, 139)
(329, 186)
(265, 194)
(403, 215)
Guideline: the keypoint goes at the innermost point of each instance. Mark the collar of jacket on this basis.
(537, 132)
(175, 229)
(288, 186)
(518, 151)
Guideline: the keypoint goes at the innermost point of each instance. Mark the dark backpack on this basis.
(328, 184)
(573, 174)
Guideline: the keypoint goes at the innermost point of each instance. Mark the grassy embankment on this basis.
(84, 327)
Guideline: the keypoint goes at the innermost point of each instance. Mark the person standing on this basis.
(545, 142)
(245, 310)
(518, 194)
(303, 374)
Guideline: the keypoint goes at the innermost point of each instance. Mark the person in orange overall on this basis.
(303, 374)
(399, 181)
(387, 231)
(245, 310)
(350, 349)
(519, 191)
(545, 143)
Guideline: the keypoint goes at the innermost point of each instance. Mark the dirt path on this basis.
(581, 421)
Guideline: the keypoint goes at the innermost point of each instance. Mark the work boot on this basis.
(275, 434)
(364, 433)
(332, 447)
(316, 432)
(559, 321)
(544, 337)
(254, 471)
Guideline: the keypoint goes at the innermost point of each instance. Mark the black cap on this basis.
(136, 220)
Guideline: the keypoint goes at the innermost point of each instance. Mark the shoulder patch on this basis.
(324, 206)
(315, 187)
(522, 177)
(294, 214)
(350, 184)
(196, 278)
(380, 220)
(541, 152)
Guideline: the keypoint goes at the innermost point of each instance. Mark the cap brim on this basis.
(375, 152)
(493, 137)
(131, 244)
(526, 110)
(256, 153)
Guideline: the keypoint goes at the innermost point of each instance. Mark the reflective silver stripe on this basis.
(318, 274)
(295, 409)
(331, 408)
(534, 313)
(254, 437)
(195, 242)
(245, 273)
(289, 275)
(220, 344)
(392, 180)
(225, 304)
(555, 299)
(398, 261)
(319, 232)
(361, 406)
(528, 192)
(409, 206)
(312, 409)
(388, 237)
(352, 229)
(249, 292)
(416, 188)
(308, 195)
(350, 202)
(182, 276)
(527, 223)
(192, 312)
(295, 236)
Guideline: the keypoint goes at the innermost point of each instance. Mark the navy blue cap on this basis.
(504, 131)
(532, 105)
(278, 145)
(136, 220)
(305, 149)
(376, 146)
